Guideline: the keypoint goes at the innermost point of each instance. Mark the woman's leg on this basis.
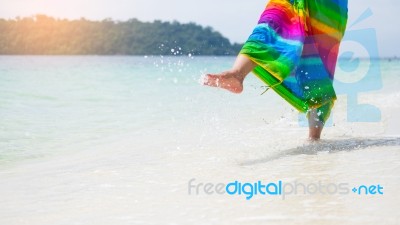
(316, 120)
(232, 80)
(315, 125)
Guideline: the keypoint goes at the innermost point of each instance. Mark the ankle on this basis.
(315, 133)
(314, 138)
(237, 74)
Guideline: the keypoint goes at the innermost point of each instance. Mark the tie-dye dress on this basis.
(295, 46)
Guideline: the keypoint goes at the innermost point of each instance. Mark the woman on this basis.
(294, 50)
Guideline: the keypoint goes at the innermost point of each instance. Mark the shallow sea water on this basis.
(100, 140)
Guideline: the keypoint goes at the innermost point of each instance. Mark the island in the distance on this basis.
(44, 35)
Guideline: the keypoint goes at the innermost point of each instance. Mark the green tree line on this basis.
(43, 35)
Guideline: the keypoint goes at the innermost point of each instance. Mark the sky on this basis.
(233, 18)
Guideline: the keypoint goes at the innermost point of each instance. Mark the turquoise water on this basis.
(52, 104)
(100, 140)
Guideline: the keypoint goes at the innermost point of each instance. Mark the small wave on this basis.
(349, 144)
(331, 146)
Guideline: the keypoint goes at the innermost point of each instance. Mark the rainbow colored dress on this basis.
(295, 46)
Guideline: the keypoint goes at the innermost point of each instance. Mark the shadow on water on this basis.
(330, 146)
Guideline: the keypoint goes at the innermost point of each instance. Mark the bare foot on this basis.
(315, 133)
(315, 125)
(228, 80)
